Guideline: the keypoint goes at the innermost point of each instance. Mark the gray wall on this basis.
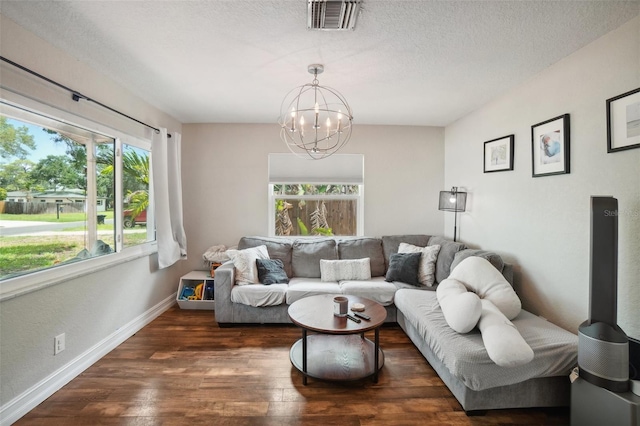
(90, 308)
(542, 224)
(225, 180)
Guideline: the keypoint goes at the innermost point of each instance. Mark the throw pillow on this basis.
(404, 267)
(277, 247)
(271, 271)
(390, 243)
(478, 275)
(427, 268)
(349, 269)
(244, 262)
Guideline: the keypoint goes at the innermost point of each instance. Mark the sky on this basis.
(45, 146)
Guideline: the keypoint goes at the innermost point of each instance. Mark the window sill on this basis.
(19, 286)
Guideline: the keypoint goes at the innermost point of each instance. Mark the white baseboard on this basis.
(13, 410)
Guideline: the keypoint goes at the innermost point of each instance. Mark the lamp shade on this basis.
(452, 201)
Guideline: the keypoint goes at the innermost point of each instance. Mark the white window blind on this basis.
(338, 168)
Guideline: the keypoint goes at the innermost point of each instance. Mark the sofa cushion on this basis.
(492, 257)
(244, 262)
(258, 295)
(306, 255)
(404, 267)
(376, 289)
(278, 248)
(348, 269)
(300, 288)
(465, 355)
(271, 271)
(427, 268)
(359, 248)
(448, 249)
(390, 243)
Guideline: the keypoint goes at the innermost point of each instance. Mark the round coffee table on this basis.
(338, 350)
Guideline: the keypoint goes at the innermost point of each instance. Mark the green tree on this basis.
(14, 141)
(57, 172)
(135, 180)
(3, 194)
(75, 150)
(15, 175)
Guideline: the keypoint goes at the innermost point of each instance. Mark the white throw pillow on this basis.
(497, 302)
(461, 308)
(427, 268)
(505, 345)
(244, 262)
(347, 269)
(481, 277)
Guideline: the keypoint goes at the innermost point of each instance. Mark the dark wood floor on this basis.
(182, 369)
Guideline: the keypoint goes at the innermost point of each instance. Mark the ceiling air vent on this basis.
(333, 15)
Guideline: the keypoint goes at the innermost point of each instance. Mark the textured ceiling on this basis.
(407, 62)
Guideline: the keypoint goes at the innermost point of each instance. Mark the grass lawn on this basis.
(29, 253)
(20, 254)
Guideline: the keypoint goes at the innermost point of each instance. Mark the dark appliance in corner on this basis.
(603, 348)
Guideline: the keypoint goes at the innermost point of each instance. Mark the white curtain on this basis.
(167, 182)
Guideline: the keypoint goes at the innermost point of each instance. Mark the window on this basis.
(72, 185)
(135, 194)
(308, 209)
(312, 198)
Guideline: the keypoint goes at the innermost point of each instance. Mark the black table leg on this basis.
(304, 356)
(376, 355)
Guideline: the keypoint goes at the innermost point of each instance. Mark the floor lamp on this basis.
(453, 201)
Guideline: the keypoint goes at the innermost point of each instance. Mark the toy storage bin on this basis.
(191, 280)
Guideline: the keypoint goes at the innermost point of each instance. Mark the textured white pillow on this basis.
(427, 268)
(347, 269)
(244, 262)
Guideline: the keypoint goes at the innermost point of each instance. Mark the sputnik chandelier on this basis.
(315, 121)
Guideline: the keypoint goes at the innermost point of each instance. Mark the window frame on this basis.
(36, 280)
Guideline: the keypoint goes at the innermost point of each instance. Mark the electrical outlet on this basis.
(58, 344)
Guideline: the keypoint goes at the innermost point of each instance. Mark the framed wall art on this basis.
(550, 147)
(498, 154)
(623, 121)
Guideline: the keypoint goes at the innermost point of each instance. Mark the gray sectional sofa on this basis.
(460, 360)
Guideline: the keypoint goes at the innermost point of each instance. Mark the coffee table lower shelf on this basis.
(337, 357)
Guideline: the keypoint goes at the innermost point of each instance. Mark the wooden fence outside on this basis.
(341, 215)
(19, 207)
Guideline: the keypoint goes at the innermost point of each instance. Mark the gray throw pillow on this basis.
(404, 267)
(390, 243)
(271, 271)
